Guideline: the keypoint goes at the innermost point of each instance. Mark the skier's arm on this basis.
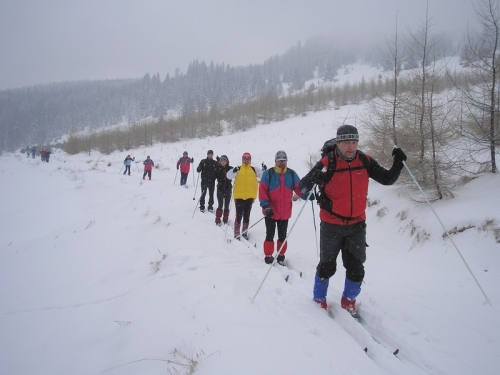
(384, 176)
(314, 176)
(232, 173)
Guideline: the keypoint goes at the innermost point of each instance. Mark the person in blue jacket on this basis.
(128, 162)
(276, 189)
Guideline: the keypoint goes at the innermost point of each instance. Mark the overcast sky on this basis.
(60, 40)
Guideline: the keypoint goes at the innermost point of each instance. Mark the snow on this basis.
(106, 273)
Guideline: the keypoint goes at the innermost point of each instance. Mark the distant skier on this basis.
(42, 154)
(148, 167)
(127, 163)
(185, 165)
(344, 188)
(33, 152)
(47, 155)
(224, 190)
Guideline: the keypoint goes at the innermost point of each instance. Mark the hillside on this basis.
(105, 273)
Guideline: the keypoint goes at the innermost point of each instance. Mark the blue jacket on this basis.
(128, 160)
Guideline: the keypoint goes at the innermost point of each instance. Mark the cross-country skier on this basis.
(207, 167)
(344, 187)
(245, 192)
(128, 162)
(224, 190)
(148, 167)
(276, 189)
(185, 165)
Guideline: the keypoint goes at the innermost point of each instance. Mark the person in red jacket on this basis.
(343, 204)
(148, 167)
(276, 189)
(184, 163)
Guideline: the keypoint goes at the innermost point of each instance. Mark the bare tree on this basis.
(481, 93)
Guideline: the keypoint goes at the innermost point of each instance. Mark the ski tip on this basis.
(396, 352)
(286, 278)
(300, 273)
(365, 350)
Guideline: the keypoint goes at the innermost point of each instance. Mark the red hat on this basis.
(246, 155)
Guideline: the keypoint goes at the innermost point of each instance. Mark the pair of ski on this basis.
(368, 334)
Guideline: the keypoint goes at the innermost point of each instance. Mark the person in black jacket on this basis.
(224, 190)
(208, 168)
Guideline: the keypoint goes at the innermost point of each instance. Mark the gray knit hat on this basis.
(347, 133)
(280, 155)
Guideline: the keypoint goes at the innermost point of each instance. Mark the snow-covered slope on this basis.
(105, 273)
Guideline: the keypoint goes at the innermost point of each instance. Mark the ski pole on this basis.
(315, 230)
(242, 233)
(487, 301)
(175, 179)
(198, 202)
(196, 185)
(121, 169)
(193, 178)
(281, 247)
(137, 167)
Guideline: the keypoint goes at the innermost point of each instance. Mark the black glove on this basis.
(268, 212)
(311, 197)
(177, 166)
(192, 160)
(399, 155)
(236, 169)
(317, 176)
(217, 158)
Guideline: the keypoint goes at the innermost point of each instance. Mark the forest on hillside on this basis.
(38, 115)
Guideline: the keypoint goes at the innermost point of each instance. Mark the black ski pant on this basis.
(127, 168)
(243, 209)
(210, 186)
(351, 240)
(271, 226)
(224, 198)
(146, 173)
(184, 177)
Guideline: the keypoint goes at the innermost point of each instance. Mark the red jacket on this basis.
(185, 162)
(148, 165)
(347, 189)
